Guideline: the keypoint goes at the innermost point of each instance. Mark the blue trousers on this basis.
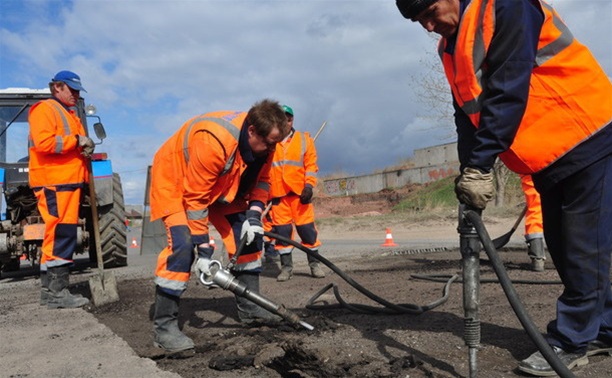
(577, 214)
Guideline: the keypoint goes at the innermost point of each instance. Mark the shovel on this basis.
(103, 285)
(505, 238)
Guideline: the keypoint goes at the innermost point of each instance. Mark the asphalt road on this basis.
(40, 342)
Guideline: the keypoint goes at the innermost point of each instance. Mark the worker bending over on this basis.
(215, 169)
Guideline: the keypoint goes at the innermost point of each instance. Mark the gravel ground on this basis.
(115, 340)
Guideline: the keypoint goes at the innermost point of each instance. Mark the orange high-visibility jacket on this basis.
(55, 158)
(294, 165)
(570, 96)
(199, 165)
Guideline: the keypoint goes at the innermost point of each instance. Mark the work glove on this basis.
(202, 264)
(474, 188)
(306, 195)
(252, 227)
(86, 145)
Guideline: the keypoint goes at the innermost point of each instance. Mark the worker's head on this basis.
(267, 125)
(289, 114)
(438, 16)
(66, 87)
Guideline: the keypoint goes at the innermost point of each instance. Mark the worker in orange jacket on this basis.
(534, 230)
(215, 169)
(292, 179)
(58, 153)
(527, 91)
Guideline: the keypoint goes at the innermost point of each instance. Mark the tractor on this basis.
(21, 226)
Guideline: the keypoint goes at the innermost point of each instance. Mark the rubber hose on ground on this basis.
(389, 308)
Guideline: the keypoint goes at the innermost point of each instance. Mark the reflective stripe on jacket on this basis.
(55, 158)
(570, 96)
(199, 165)
(294, 165)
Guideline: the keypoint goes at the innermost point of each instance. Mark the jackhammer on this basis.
(471, 234)
(225, 280)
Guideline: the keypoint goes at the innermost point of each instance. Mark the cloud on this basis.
(149, 65)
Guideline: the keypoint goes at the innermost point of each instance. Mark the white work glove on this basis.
(474, 188)
(86, 145)
(252, 227)
(202, 264)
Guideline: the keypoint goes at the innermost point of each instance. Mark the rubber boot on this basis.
(45, 293)
(59, 296)
(166, 332)
(315, 269)
(537, 254)
(44, 288)
(286, 267)
(249, 312)
(271, 255)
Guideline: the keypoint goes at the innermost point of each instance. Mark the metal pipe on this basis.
(469, 245)
(225, 280)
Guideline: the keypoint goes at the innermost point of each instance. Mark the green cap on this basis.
(288, 110)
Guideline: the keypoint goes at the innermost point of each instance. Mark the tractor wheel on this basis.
(113, 238)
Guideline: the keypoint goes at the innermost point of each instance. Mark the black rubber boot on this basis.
(537, 254)
(249, 312)
(59, 296)
(166, 332)
(286, 267)
(44, 288)
(315, 269)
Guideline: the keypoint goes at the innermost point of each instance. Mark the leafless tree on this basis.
(434, 93)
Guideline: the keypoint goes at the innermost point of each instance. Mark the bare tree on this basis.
(434, 93)
(501, 174)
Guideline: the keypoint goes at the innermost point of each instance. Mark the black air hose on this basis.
(513, 298)
(389, 308)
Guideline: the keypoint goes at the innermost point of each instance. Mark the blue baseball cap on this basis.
(70, 78)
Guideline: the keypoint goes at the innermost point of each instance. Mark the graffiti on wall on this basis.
(339, 186)
(437, 174)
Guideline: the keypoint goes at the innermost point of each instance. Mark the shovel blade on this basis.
(103, 287)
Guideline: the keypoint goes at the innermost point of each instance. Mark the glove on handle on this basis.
(86, 144)
(474, 188)
(252, 226)
(202, 264)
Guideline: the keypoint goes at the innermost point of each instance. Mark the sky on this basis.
(150, 65)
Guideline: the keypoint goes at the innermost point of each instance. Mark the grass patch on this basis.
(435, 195)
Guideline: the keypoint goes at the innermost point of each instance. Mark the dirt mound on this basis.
(378, 203)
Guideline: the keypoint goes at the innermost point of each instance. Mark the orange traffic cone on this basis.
(388, 240)
(134, 243)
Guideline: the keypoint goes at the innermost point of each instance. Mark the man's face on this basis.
(289, 120)
(442, 17)
(66, 95)
(261, 145)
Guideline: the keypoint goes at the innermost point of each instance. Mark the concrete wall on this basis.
(432, 164)
(436, 155)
